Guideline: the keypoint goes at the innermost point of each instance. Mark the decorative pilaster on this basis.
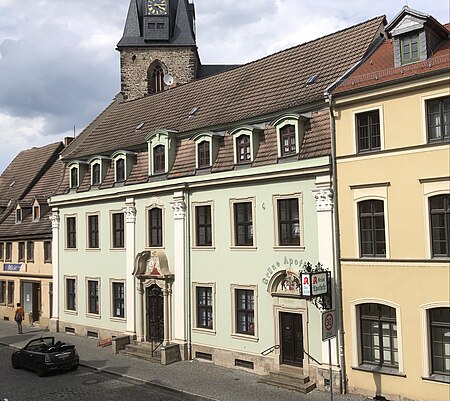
(55, 219)
(130, 239)
(180, 284)
(139, 311)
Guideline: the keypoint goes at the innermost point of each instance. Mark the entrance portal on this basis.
(291, 333)
(31, 299)
(155, 314)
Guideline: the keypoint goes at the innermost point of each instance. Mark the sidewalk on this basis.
(200, 378)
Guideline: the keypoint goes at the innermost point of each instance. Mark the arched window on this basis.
(203, 154)
(159, 160)
(120, 170)
(440, 225)
(439, 329)
(287, 137)
(243, 149)
(155, 79)
(96, 174)
(74, 177)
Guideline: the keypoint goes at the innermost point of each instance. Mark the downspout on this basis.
(188, 268)
(337, 248)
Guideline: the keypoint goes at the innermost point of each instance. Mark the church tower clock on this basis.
(158, 39)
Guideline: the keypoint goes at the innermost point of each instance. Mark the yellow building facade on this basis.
(392, 125)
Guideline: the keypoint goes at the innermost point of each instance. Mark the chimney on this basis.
(67, 141)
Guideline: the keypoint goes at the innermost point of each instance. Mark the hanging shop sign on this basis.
(314, 284)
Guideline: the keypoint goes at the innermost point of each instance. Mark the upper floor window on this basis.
(18, 215)
(30, 251)
(93, 234)
(118, 230)
(409, 48)
(288, 222)
(2, 251)
(243, 223)
(203, 154)
(96, 171)
(155, 227)
(8, 252)
(120, 170)
(155, 79)
(21, 256)
(71, 232)
(438, 119)
(372, 228)
(440, 225)
(74, 177)
(159, 159)
(47, 251)
(36, 212)
(379, 343)
(203, 225)
(368, 131)
(287, 139)
(439, 329)
(243, 150)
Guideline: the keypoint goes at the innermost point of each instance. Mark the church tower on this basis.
(158, 40)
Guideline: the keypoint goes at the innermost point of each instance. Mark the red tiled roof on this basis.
(270, 85)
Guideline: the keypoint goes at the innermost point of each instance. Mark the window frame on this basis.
(90, 239)
(30, 251)
(10, 294)
(36, 212)
(3, 295)
(446, 213)
(203, 156)
(410, 39)
(195, 306)
(359, 114)
(247, 149)
(74, 178)
(295, 120)
(275, 200)
(2, 251)
(19, 215)
(71, 238)
(159, 159)
(71, 294)
(195, 226)
(94, 181)
(291, 136)
(8, 251)
(233, 203)
(373, 216)
(47, 245)
(120, 175)
(114, 246)
(159, 228)
(235, 333)
(113, 315)
(21, 251)
(97, 297)
(442, 125)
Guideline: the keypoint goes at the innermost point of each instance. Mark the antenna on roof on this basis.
(74, 131)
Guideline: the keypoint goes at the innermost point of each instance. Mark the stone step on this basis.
(298, 383)
(147, 356)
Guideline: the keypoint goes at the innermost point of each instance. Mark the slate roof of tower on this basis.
(182, 30)
(267, 86)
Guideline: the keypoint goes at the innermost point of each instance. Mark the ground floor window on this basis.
(379, 335)
(92, 292)
(245, 311)
(439, 326)
(70, 294)
(2, 292)
(204, 301)
(118, 292)
(10, 292)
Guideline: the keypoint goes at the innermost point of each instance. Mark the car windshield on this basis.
(40, 344)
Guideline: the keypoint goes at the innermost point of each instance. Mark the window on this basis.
(409, 46)
(245, 311)
(159, 163)
(21, 251)
(203, 154)
(96, 174)
(8, 253)
(2, 251)
(288, 222)
(70, 294)
(18, 216)
(156, 75)
(287, 138)
(439, 320)
(371, 228)
(438, 119)
(93, 237)
(155, 227)
(120, 170)
(440, 225)
(204, 307)
(10, 292)
(118, 299)
(379, 345)
(93, 304)
(243, 149)
(47, 251)
(368, 131)
(74, 177)
(203, 226)
(2, 292)
(243, 224)
(71, 232)
(36, 213)
(30, 251)
(118, 230)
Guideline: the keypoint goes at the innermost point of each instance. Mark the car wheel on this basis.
(15, 362)
(40, 370)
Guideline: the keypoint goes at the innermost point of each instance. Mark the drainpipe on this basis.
(337, 248)
(188, 268)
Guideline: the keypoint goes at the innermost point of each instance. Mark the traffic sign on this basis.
(329, 325)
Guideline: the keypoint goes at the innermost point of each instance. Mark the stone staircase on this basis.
(289, 378)
(142, 350)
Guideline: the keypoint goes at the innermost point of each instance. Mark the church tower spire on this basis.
(158, 39)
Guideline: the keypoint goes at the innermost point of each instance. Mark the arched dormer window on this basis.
(290, 132)
(288, 142)
(159, 159)
(155, 78)
(243, 154)
(203, 154)
(74, 177)
(123, 162)
(246, 143)
(206, 148)
(96, 177)
(161, 150)
(99, 166)
(120, 170)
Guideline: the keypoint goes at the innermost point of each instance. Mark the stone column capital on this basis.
(54, 218)
(324, 199)
(130, 211)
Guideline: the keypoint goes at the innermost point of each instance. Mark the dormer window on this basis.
(96, 174)
(18, 216)
(290, 131)
(203, 154)
(288, 143)
(243, 154)
(159, 160)
(36, 213)
(74, 177)
(120, 170)
(409, 47)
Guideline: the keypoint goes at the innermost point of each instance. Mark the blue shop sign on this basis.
(11, 267)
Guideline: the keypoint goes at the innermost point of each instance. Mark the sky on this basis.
(59, 68)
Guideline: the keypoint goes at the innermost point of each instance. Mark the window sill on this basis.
(246, 337)
(93, 249)
(444, 379)
(203, 248)
(289, 247)
(199, 330)
(71, 312)
(117, 249)
(243, 248)
(71, 249)
(379, 369)
(93, 315)
(117, 319)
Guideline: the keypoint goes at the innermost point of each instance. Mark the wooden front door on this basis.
(155, 314)
(291, 333)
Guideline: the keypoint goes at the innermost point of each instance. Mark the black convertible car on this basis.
(44, 355)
